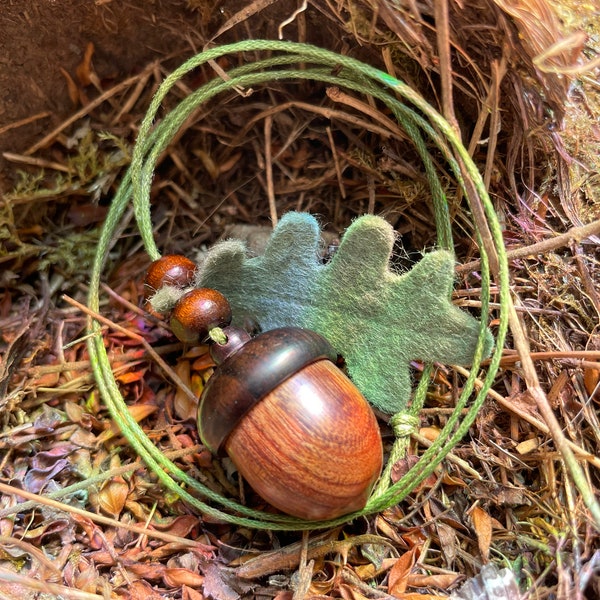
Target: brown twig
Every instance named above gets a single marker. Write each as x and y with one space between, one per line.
509 359
26 121
540 425
138 338
37 162
338 172
576 234
289 557
269 170
586 279
335 94
440 11
498 72
69 509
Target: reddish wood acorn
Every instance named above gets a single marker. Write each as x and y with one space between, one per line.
197 312
171 269
296 427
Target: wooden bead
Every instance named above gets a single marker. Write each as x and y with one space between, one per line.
171 269
197 312
295 426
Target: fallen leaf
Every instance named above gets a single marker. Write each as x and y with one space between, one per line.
49 527
591 379
94 533
447 541
86 578
112 497
430 433
131 376
197 384
85 71
222 583
370 571
499 495
140 590
402 467
190 594
48 420
48 380
527 446
138 411
184 406
525 402
414 537
446 514
399 573
37 479
441 581
178 526
48 458
102 557
203 362
71 87
152 571
177 577
349 592
482 524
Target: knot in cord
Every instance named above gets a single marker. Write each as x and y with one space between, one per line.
403 424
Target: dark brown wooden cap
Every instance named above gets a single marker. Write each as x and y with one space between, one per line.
250 374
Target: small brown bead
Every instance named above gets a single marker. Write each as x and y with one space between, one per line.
197 312
171 269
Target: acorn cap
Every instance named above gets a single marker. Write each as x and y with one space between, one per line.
248 375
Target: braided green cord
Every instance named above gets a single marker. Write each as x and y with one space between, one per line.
403 425
172 122
152 142
142 174
448 438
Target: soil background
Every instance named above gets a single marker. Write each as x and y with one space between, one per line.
39 39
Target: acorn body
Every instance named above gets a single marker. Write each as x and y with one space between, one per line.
296 427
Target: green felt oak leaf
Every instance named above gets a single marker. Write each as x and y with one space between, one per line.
376 319
276 288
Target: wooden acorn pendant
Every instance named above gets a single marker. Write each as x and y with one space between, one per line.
296 427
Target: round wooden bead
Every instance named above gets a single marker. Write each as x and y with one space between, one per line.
171 269
295 426
197 312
